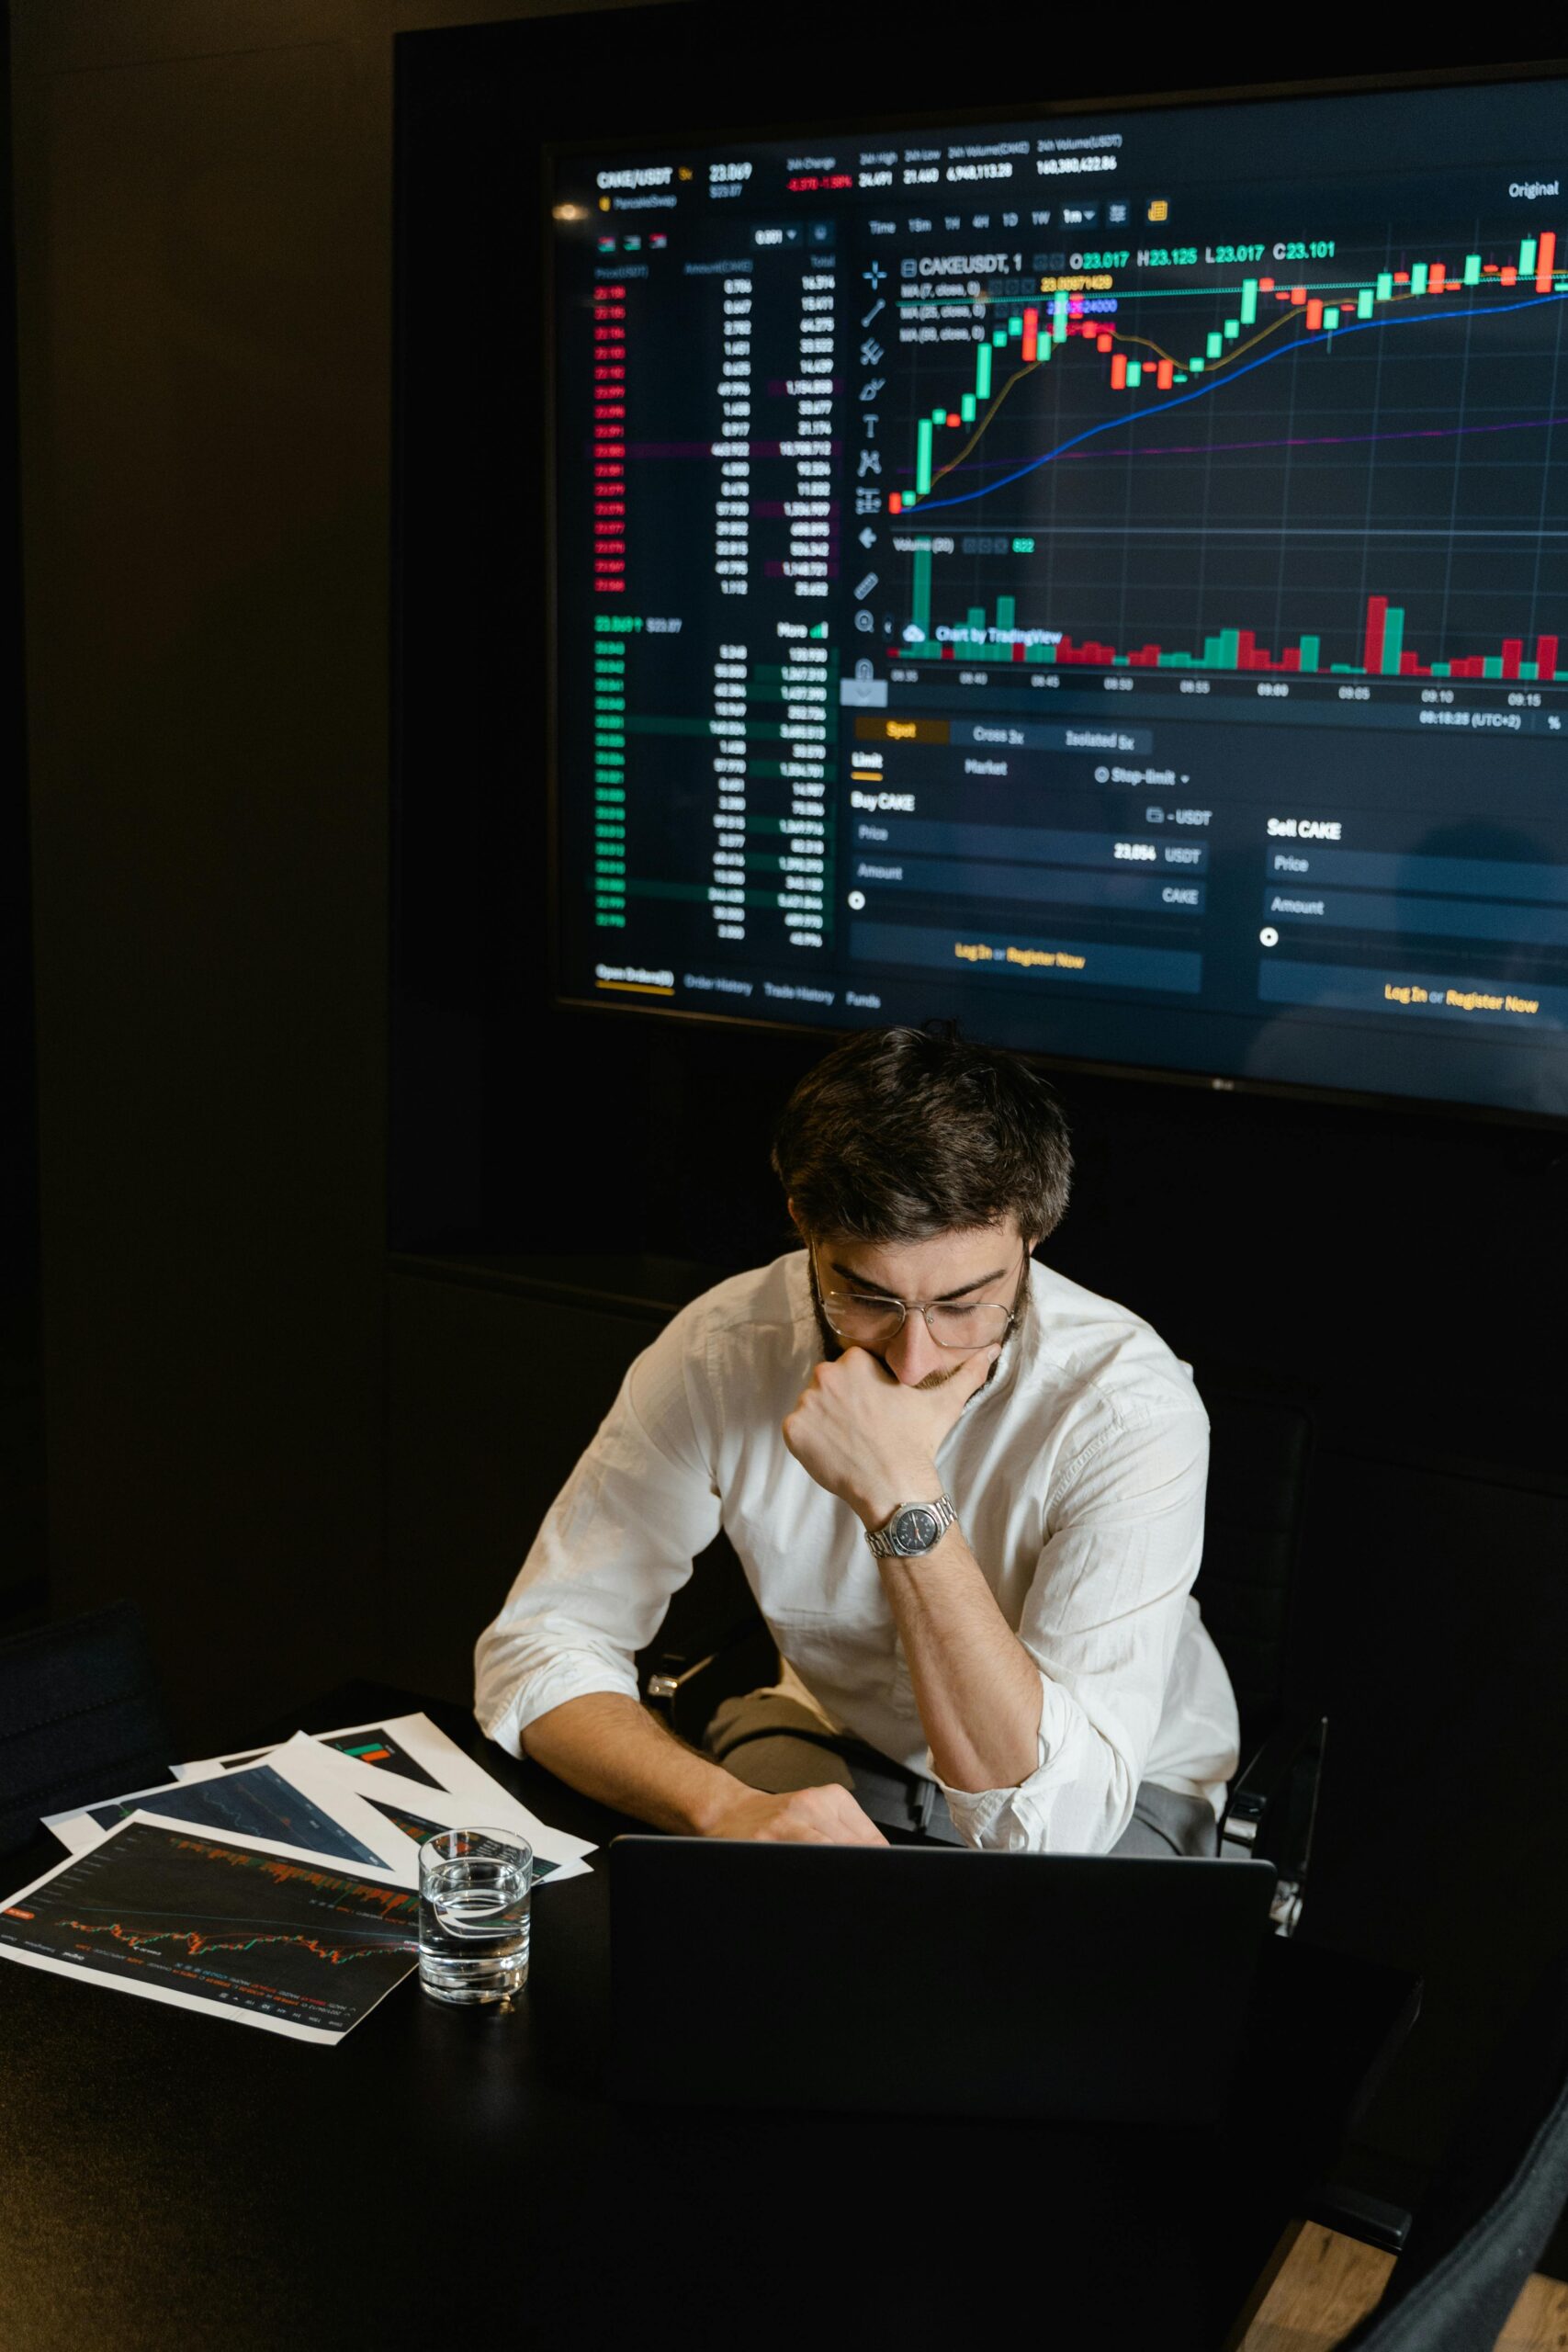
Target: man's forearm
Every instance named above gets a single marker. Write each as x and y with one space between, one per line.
613 1750
976 1685
871 1440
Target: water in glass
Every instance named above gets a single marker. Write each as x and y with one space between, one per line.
473 1915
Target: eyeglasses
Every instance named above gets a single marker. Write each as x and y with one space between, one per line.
962 1324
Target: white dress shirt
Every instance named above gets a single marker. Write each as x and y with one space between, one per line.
1077 1476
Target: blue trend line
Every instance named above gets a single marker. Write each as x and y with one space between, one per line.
1217 383
1305 440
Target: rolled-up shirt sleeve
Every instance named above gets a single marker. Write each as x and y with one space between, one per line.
1102 1621
618 1540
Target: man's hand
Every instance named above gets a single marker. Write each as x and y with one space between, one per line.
871 1440
609 1746
825 1816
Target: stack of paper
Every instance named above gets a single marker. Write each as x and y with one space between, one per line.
279 1887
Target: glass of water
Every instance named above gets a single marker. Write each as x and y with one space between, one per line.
473 1914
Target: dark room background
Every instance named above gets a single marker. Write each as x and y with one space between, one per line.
306 1396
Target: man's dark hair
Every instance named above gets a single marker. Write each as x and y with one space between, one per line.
904 1133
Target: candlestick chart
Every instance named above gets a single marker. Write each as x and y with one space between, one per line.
1185 465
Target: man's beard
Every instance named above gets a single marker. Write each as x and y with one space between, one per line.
832 1346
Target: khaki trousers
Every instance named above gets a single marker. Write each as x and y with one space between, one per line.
773 1743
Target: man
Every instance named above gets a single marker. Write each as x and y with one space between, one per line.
966 1493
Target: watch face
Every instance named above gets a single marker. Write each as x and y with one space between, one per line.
914 1530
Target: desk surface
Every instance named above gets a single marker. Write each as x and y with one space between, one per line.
168 2179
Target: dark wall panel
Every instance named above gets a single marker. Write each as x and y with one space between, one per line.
204 275
22 1538
492 1396
1433 1631
88 36
492 1399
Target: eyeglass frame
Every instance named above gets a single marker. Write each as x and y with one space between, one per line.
923 1307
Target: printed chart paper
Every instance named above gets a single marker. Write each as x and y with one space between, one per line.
384 1744
290 1802
388 1749
419 1811
229 1929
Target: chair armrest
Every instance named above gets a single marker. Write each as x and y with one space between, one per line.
1253 1816
1273 1809
1356 2215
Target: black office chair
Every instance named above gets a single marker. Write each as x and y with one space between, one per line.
1260 1452
81 1717
1260 1455
1495 2201
713 1645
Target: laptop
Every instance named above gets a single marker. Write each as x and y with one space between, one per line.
930 1979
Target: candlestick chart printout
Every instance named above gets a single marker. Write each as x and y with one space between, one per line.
208 1923
1102 577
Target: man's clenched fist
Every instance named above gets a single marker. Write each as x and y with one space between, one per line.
868 1439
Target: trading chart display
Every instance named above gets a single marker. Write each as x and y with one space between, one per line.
220 1927
1102 577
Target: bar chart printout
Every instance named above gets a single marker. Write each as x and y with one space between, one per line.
374 1744
216 1926
380 1747
1102 583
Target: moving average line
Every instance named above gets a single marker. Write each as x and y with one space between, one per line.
1303 441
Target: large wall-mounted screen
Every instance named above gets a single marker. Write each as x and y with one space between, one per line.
1101 576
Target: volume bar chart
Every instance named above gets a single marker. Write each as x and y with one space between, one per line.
981 641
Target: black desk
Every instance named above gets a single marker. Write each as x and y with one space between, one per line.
167 2181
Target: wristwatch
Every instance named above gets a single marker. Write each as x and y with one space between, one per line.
914 1530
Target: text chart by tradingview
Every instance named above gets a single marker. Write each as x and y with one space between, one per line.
1104 578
